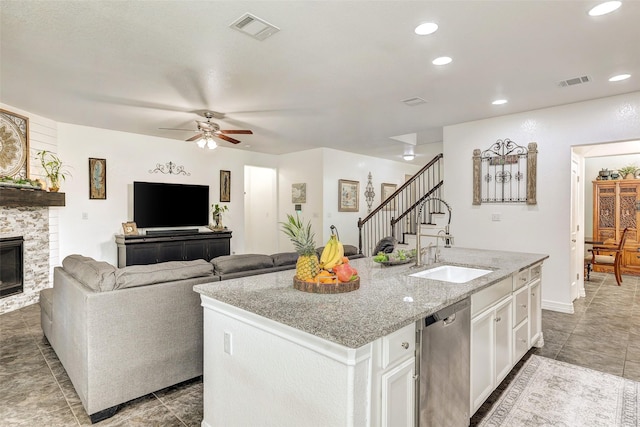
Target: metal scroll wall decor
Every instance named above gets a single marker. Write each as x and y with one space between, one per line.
505 173
369 193
169 168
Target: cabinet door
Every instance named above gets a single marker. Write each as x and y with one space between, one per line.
142 254
535 312
503 339
170 251
482 358
398 395
218 247
195 249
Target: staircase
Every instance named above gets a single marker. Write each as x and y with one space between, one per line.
397 215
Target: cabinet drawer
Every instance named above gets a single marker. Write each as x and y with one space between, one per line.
489 296
536 272
520 279
521 307
520 341
398 345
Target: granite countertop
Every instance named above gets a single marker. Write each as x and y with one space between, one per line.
387 300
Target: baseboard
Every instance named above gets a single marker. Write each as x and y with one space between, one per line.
558 306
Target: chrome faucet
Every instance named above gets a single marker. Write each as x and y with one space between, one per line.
442 234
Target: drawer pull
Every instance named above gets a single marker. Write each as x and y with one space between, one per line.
405 345
523 305
522 340
524 279
498 319
533 294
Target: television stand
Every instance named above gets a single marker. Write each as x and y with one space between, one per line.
150 249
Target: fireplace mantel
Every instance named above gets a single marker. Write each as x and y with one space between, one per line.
26 197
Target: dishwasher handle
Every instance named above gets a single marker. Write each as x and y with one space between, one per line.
448 314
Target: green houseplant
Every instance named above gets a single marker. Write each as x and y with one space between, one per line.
628 172
216 213
53 167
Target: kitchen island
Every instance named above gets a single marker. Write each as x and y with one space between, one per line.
276 356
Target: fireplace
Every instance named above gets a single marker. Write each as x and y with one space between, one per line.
11 266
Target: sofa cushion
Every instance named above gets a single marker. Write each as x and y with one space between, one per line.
170 271
97 275
234 263
350 250
284 258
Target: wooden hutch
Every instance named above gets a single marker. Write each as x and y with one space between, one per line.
616 206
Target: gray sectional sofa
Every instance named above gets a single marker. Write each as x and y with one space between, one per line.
122 333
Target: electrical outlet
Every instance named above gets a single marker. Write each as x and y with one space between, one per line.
85 215
496 217
228 344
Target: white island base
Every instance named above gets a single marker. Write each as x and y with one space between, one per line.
258 372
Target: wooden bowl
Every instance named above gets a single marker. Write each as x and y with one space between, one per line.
326 288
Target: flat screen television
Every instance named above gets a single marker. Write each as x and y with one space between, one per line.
157 204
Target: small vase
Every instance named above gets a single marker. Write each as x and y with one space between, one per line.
54 189
217 221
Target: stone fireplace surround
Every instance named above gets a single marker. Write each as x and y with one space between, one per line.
33 224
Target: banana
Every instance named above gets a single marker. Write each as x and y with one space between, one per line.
332 253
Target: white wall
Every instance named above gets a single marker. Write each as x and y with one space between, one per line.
543 228
130 157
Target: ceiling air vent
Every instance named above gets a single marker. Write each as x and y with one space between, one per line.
574 81
255 27
412 102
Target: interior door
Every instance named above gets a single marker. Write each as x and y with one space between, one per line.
260 210
573 244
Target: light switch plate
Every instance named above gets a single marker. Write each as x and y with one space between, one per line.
496 217
228 343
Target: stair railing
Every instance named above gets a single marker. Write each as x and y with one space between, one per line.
396 216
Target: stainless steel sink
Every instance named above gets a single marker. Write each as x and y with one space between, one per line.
452 273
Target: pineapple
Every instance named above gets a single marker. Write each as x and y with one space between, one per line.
307 267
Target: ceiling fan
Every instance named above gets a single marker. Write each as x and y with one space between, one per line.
208 130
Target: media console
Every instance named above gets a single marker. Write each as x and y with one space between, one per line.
152 249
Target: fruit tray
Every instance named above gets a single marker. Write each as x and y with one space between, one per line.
396 262
326 288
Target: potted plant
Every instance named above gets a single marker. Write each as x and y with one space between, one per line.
216 213
53 167
628 172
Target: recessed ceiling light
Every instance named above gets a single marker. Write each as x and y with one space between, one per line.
443 60
604 8
619 77
426 28
408 157
499 101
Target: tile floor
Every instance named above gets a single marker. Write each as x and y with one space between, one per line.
603 334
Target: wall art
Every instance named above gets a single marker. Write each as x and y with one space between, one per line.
130 228
299 193
386 191
225 186
348 192
14 145
97 179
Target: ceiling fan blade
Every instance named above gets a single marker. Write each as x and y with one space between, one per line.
195 137
227 138
231 131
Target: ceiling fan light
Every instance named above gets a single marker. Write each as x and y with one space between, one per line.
201 143
604 8
408 157
211 144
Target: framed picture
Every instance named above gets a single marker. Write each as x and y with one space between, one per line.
225 186
299 193
386 191
14 145
348 194
97 178
130 228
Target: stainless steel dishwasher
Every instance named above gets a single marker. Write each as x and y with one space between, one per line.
443 368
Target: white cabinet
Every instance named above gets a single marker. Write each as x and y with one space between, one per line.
535 312
506 322
491 355
398 395
394 382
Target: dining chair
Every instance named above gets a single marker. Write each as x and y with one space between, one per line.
610 255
